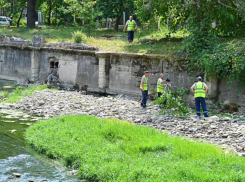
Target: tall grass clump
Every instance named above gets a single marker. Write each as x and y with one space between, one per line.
110 150
20 92
78 37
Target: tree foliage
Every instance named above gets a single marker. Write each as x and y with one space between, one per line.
205 20
115 9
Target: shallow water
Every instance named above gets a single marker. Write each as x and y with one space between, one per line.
17 157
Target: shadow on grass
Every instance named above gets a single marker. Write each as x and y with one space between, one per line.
165 46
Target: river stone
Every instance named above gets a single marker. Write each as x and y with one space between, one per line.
17 175
9 117
213 118
12 131
137 120
26 116
225 135
241 154
8 121
22 119
169 123
73 173
213 126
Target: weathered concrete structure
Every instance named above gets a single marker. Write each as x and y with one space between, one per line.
101 72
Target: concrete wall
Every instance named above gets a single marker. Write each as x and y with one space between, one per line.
74 68
15 64
230 93
101 71
126 70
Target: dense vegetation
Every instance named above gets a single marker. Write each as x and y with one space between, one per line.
110 150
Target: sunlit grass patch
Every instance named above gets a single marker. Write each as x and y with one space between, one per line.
103 39
110 150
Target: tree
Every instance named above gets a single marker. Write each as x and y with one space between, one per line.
49 7
31 13
240 4
88 14
73 7
19 8
115 9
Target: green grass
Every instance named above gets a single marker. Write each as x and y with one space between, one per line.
110 150
150 42
19 93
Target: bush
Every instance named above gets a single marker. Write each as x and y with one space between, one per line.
174 101
60 21
74 24
78 37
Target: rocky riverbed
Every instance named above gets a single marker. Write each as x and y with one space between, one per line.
224 131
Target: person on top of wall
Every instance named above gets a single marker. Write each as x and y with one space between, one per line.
200 90
131 27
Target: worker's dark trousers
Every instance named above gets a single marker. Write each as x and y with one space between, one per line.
144 97
201 101
130 36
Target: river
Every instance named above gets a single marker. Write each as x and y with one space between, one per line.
17 157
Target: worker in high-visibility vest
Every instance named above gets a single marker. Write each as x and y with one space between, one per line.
200 90
144 88
161 87
131 26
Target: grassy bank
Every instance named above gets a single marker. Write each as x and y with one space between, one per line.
19 93
146 41
110 150
151 42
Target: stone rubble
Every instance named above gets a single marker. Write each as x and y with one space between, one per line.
226 132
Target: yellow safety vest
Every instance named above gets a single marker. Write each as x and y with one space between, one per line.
131 25
160 86
144 84
200 90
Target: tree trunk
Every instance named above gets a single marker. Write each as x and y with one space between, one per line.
196 11
31 13
12 7
159 24
117 23
49 12
18 22
56 17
